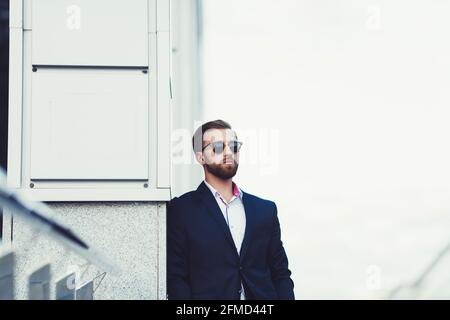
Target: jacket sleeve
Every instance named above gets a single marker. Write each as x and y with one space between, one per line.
281 275
177 255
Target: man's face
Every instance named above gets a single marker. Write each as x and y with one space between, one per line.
223 164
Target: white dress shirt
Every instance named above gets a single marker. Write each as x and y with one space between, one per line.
234 215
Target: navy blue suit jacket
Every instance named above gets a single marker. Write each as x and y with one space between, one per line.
202 259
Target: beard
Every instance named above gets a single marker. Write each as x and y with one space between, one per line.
223 171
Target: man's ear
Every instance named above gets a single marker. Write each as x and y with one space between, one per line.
200 158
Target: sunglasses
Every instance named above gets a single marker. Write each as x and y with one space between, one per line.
219 146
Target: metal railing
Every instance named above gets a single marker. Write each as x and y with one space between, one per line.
40 284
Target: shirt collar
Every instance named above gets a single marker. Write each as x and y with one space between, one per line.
237 192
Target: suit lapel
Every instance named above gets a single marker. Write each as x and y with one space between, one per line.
249 224
213 208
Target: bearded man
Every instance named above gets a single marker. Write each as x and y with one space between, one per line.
224 243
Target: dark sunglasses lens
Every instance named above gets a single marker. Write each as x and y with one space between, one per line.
218 147
235 146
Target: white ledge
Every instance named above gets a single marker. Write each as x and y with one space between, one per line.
97 194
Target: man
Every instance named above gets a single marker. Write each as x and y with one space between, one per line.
223 243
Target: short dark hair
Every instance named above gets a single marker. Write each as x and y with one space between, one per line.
197 138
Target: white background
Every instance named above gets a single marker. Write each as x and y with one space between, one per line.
359 94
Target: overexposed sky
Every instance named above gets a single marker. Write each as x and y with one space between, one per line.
343 107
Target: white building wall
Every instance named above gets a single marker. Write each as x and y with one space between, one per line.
122 218
187 104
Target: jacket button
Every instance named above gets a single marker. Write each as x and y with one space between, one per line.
240 268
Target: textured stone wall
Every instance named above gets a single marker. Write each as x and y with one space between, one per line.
131 234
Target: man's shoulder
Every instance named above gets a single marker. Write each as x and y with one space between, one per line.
259 200
182 200
179 206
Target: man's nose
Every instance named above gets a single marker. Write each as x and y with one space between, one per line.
227 151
